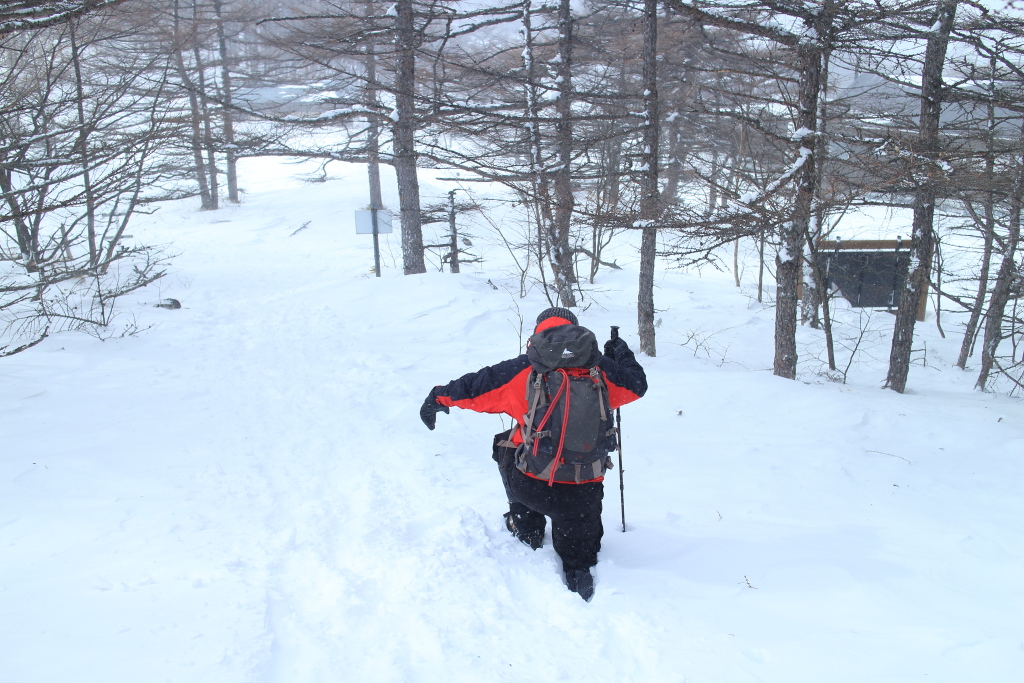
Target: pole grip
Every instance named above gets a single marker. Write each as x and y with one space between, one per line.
615 331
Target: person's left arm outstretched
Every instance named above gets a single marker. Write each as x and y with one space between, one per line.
493 389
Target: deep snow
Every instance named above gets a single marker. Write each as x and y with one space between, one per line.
245 492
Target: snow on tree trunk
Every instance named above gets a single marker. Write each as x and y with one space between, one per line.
794 232
813 295
924 200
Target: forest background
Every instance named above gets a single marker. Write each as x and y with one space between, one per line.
706 127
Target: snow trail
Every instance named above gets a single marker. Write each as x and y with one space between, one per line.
246 493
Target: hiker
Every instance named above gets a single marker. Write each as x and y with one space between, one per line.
562 393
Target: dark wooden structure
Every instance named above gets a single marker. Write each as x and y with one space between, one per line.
869 273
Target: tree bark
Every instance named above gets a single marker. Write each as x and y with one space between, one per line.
83 149
609 194
194 118
207 117
970 334
761 238
372 125
541 185
405 140
924 201
649 199
230 149
794 232
813 287
561 253
453 236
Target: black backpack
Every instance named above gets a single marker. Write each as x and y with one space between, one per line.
568 430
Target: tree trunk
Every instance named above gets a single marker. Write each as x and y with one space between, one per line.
1004 279
193 104
794 232
760 262
83 149
372 126
26 245
230 149
924 201
207 118
453 262
813 287
734 183
649 198
610 184
970 334
674 169
561 253
404 140
541 186
712 185
205 198
613 182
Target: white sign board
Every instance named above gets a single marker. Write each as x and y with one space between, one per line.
364 222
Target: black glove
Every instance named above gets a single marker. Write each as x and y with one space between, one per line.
430 409
613 348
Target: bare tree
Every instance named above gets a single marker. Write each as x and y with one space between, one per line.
377 61
81 126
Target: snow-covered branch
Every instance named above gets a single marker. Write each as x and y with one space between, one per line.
28 15
772 33
773 187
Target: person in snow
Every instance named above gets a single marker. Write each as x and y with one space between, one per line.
561 393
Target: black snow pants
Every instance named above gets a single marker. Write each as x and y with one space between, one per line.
574 509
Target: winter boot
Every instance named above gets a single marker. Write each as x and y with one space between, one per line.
534 539
580 581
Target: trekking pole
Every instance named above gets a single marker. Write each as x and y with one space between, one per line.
618 433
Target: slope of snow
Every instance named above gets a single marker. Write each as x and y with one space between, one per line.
245 492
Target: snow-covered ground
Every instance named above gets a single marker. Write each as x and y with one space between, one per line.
244 492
